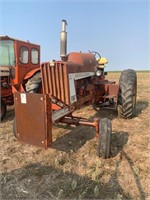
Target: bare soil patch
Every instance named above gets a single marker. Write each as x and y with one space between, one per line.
71 169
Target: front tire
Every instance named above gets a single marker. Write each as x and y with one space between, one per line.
127 94
104 140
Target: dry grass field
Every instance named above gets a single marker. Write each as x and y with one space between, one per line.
71 169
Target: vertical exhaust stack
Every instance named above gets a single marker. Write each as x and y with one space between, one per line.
63 41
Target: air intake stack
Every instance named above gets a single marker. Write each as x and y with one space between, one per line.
63 41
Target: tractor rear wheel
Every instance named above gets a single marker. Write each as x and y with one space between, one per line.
33 84
3 110
127 94
104 140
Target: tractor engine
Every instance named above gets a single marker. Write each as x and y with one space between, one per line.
70 79
77 79
83 73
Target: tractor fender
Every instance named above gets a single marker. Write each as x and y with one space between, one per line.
30 73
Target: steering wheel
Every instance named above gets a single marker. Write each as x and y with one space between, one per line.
96 54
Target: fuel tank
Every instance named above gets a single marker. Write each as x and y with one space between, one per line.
85 59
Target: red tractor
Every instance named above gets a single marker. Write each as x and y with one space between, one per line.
19 61
77 79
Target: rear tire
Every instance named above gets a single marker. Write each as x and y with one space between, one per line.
3 110
33 84
104 140
127 94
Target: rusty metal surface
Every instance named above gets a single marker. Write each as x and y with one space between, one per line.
105 88
82 101
86 60
33 118
80 121
113 90
55 81
59 114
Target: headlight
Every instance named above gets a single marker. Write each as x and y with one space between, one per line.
98 72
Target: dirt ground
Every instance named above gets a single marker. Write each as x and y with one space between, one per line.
71 169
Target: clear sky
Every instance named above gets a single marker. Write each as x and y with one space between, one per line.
117 29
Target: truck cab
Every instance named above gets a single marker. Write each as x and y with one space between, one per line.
19 60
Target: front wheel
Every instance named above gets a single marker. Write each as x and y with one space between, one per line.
104 140
3 110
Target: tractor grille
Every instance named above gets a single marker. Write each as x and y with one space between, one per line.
55 81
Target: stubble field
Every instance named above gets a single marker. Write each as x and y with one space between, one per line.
71 169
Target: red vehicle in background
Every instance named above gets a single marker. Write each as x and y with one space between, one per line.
19 64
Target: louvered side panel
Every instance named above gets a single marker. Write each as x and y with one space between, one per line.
57 75
49 74
55 81
44 78
66 85
61 73
54 91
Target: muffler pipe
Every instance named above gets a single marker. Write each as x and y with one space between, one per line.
63 41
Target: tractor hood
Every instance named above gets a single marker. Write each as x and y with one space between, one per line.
4 71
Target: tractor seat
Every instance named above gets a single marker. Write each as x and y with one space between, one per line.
102 61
